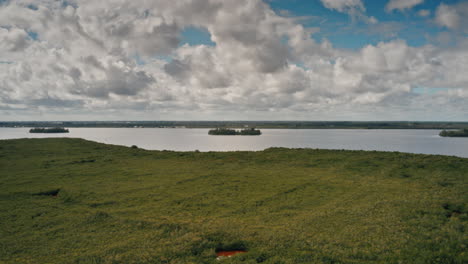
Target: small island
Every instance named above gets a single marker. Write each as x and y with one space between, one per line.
233 132
48 130
454 133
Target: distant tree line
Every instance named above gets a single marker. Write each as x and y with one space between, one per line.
237 124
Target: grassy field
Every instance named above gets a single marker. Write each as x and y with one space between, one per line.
76 201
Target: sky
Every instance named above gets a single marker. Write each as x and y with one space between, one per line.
234 60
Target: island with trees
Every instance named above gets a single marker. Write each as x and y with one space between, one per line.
233 132
48 130
454 133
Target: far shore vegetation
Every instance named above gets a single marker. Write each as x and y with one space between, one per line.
65 200
233 132
257 124
48 130
454 133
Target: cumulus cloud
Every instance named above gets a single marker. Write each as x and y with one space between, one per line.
454 17
402 5
13 40
424 13
344 5
354 8
124 59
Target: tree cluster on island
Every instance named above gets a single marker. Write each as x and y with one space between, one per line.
48 130
233 132
454 133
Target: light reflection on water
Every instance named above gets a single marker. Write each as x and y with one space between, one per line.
403 140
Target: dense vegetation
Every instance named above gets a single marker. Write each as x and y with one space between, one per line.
76 201
258 124
48 130
233 132
456 133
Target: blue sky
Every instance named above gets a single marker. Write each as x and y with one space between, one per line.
342 32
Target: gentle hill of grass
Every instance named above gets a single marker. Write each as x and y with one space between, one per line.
76 201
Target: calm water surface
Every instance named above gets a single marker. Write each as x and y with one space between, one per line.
413 141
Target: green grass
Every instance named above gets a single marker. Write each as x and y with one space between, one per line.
127 205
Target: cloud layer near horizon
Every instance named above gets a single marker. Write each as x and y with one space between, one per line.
123 60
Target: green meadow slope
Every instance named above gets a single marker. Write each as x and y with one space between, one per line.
76 201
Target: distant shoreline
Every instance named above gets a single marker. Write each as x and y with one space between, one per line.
242 124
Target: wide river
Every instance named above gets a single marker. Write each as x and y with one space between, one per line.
181 139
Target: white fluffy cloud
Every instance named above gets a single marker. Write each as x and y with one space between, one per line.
344 5
354 8
453 16
123 59
402 4
13 40
424 13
